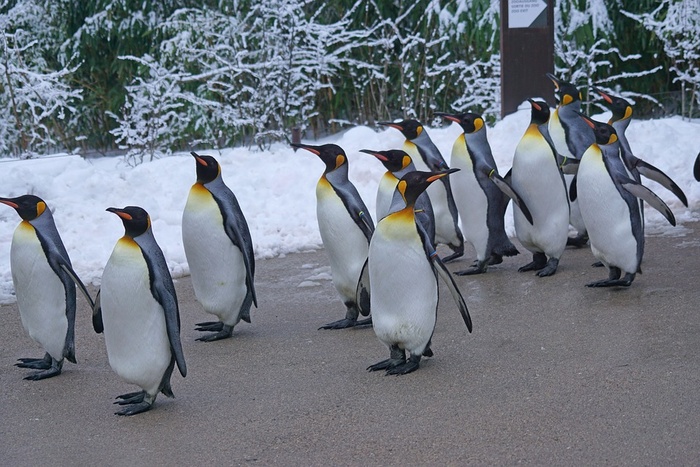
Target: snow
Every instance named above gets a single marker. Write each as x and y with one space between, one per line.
276 190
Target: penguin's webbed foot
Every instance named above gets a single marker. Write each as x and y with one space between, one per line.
209 326
539 261
624 282
224 333
457 252
578 241
347 323
35 363
495 259
44 374
135 409
408 366
598 264
130 398
479 268
550 268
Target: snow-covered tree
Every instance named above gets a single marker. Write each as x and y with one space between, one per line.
585 46
37 101
677 24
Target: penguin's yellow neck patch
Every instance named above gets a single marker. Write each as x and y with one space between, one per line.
127 242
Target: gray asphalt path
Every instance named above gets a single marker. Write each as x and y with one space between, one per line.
554 374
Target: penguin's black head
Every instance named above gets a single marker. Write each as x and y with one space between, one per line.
410 129
620 108
539 114
135 219
207 168
393 159
565 93
29 207
604 133
414 183
331 154
470 122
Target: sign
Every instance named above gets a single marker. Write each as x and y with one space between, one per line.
527 14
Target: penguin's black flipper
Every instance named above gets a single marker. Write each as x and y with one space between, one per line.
653 173
363 291
572 189
97 324
71 273
644 193
442 271
511 193
696 168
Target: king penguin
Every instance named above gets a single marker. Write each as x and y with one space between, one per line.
219 251
346 228
138 312
403 270
481 194
44 282
609 207
398 163
426 156
536 176
621 117
571 137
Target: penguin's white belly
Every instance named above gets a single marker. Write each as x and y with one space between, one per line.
343 240
385 193
404 290
472 204
41 298
216 264
606 215
137 342
538 181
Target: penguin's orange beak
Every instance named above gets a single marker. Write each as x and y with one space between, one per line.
311 149
120 213
392 125
376 154
198 159
9 203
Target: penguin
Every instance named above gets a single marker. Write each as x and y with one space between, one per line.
609 207
571 137
403 270
138 313
219 251
481 194
426 156
45 283
696 168
536 176
398 163
620 120
346 227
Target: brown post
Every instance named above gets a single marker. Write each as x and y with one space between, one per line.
527 52
296 136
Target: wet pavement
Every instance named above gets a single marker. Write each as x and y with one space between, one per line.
555 373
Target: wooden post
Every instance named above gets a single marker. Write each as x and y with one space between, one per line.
527 52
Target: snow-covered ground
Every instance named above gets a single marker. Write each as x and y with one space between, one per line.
276 189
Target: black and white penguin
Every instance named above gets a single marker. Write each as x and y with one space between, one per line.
219 251
571 137
608 200
481 194
621 117
346 227
44 282
138 311
398 163
426 156
403 270
536 176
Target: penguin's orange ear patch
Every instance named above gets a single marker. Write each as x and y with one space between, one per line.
339 160
419 130
567 99
478 124
612 139
40 208
628 111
